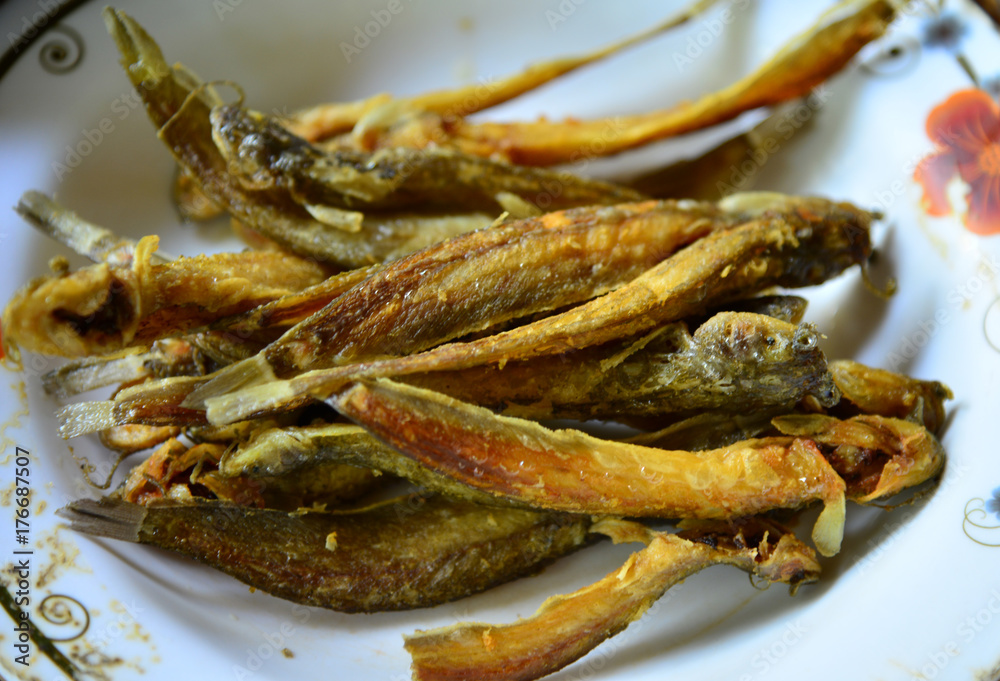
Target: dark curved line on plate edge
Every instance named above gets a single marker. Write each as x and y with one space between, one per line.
15 51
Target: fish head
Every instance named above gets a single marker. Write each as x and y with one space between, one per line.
258 152
764 346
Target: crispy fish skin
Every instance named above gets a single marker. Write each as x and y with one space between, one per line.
263 155
796 247
748 258
320 487
273 452
101 309
734 362
279 453
179 105
909 409
176 471
757 254
407 553
481 279
574 236
283 313
567 627
877 391
325 120
803 63
570 471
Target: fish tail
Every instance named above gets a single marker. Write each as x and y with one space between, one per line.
89 374
105 518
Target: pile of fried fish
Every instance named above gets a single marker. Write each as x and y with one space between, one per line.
421 296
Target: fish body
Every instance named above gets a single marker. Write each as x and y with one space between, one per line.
408 553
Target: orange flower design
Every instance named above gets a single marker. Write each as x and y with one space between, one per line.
965 128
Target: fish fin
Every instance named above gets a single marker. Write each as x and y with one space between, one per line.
105 518
243 374
347 220
89 374
85 417
517 207
244 403
828 532
622 531
140 55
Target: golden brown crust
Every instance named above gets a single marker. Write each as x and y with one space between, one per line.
877 456
805 62
567 470
887 393
566 627
795 247
325 120
484 278
101 309
131 438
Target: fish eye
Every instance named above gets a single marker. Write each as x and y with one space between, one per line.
805 340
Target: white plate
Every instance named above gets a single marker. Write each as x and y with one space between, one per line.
914 594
